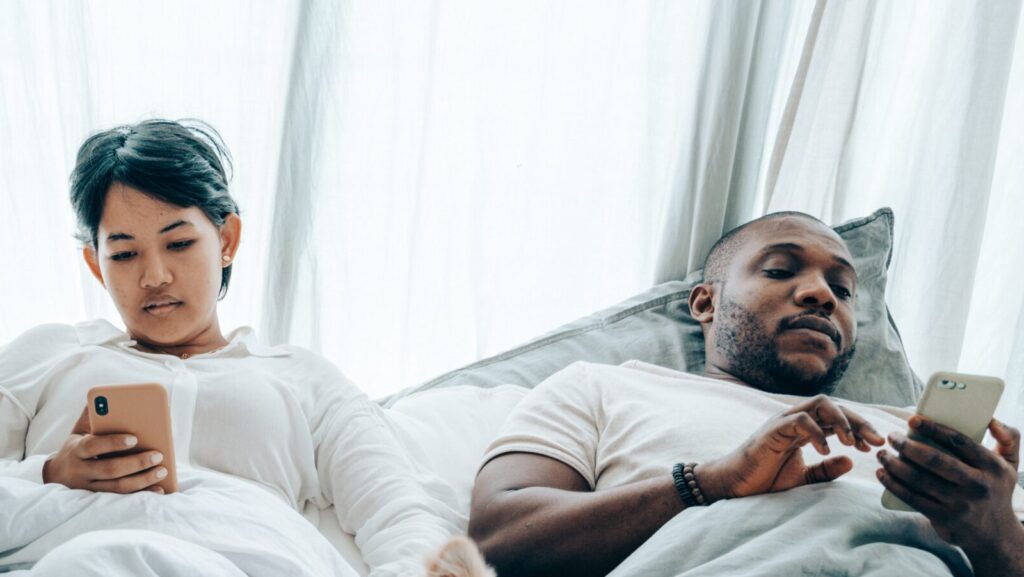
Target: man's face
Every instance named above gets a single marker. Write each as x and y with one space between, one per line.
784 316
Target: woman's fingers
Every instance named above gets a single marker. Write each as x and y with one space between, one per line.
118 467
131 483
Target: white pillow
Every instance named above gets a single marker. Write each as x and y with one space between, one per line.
447 430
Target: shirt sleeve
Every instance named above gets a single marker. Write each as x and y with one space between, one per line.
557 419
14 422
23 362
375 487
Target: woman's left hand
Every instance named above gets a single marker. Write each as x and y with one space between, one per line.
966 495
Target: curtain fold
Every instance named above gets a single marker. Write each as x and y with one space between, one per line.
427 183
725 136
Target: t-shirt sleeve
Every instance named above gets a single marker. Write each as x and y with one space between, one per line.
558 419
374 485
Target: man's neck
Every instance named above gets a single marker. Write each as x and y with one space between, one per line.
716 372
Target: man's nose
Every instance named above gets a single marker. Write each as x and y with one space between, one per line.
816 292
155 273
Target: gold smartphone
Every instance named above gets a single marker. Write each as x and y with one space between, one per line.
142 410
963 402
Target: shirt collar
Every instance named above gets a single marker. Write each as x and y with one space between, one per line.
101 332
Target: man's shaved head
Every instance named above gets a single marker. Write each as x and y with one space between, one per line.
720 256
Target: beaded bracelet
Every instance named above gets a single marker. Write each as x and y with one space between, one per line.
686 485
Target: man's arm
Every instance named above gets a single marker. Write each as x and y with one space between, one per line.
966 495
534 515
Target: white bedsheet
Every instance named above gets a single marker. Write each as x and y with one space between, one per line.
215 525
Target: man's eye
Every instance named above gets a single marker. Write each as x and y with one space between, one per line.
181 244
122 256
777 273
841 292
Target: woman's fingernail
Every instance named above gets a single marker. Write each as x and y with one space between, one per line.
161 473
156 458
131 441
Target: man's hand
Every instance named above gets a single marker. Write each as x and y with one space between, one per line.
771 460
965 495
76 465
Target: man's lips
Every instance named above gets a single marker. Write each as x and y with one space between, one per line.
816 323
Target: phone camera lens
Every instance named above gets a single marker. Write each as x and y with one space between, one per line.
101 406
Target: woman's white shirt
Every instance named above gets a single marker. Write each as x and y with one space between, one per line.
281 417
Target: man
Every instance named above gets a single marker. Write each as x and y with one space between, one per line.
583 472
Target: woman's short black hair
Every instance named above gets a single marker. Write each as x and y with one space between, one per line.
184 163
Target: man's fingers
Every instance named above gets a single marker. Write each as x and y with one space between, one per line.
1008 442
863 431
933 460
82 424
956 442
92 446
923 504
829 416
799 429
828 470
923 482
130 483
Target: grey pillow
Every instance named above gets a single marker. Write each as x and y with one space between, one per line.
656 327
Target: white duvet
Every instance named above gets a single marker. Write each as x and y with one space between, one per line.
215 525
834 529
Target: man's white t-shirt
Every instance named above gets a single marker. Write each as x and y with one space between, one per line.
616 425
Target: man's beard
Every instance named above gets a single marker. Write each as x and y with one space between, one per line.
753 355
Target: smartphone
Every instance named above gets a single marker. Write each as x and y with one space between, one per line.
141 410
963 402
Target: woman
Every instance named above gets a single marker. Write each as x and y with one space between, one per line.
160 232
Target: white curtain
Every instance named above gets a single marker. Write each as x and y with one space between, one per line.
427 183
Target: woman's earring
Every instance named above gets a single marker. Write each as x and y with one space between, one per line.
226 258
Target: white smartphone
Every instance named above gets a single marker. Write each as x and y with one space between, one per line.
963 402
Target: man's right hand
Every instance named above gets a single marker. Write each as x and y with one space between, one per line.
76 464
771 460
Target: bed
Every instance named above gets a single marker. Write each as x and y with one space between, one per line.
449 420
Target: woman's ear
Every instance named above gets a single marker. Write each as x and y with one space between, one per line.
702 304
230 235
91 259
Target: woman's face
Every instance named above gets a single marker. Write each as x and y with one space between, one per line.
162 266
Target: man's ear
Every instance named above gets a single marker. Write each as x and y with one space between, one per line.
92 260
702 306
230 236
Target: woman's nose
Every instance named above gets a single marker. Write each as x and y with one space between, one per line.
155 274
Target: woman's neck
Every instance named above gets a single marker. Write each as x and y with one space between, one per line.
207 341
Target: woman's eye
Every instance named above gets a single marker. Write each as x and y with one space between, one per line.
122 256
777 273
181 244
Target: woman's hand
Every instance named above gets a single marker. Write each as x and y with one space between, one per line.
771 460
965 494
77 465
